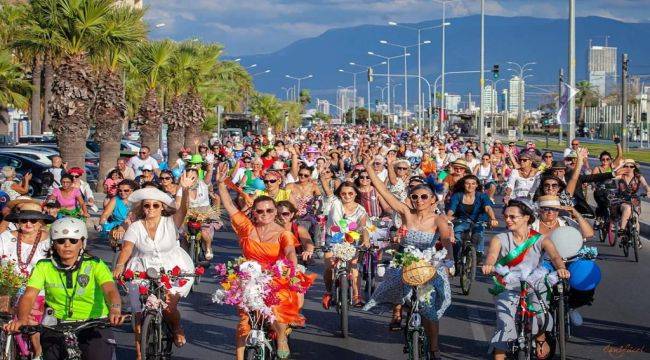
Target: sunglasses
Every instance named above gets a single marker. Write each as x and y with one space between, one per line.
416 197
552 186
548 156
152 206
512 217
263 211
76 176
402 168
143 152
303 175
146 170
270 181
548 209
575 144
31 221
124 190
364 177
165 178
629 166
62 241
524 160
285 213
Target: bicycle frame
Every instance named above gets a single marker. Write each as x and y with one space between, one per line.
524 319
414 328
257 337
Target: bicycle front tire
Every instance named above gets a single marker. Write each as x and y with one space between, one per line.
156 339
344 287
561 326
254 353
468 269
8 346
415 345
635 239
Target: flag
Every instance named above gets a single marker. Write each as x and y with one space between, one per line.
567 93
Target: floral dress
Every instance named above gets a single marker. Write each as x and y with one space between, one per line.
393 291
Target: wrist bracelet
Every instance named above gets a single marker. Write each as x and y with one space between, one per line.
120 265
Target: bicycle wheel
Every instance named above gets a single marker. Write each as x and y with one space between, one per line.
343 304
625 243
195 251
634 240
369 276
561 326
156 343
254 353
8 347
415 345
468 269
611 234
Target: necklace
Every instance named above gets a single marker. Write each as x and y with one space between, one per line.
549 226
23 265
146 228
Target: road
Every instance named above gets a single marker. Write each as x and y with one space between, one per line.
616 326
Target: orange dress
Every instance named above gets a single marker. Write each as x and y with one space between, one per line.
267 253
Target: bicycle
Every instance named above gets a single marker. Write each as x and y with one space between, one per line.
560 308
155 333
7 342
631 236
341 292
370 260
606 229
68 331
416 341
522 348
196 251
468 259
260 342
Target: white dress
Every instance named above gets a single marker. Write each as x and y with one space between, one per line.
9 250
162 252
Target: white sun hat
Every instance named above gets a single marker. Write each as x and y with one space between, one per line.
151 194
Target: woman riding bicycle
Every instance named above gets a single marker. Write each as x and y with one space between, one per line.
25 247
287 217
470 208
70 198
628 188
115 218
520 248
487 174
303 195
152 242
522 178
199 202
423 226
264 241
77 287
552 215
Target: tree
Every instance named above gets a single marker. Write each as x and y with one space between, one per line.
305 98
326 118
268 108
14 89
586 96
124 30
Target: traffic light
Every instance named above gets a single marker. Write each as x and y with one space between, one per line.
370 73
495 71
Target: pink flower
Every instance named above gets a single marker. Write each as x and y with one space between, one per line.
221 269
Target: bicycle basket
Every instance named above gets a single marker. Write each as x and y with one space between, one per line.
418 273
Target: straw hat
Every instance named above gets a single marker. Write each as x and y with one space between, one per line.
549 201
151 194
461 163
630 162
22 200
29 211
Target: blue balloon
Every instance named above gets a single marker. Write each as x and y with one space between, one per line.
257 184
337 238
177 172
548 265
585 275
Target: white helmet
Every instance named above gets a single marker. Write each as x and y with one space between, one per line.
68 228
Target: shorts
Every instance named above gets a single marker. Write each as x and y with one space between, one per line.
94 343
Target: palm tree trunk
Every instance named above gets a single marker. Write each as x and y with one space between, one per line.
108 154
4 120
174 143
150 119
35 110
192 135
48 79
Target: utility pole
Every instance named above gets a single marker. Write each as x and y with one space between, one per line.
624 116
558 102
481 122
572 70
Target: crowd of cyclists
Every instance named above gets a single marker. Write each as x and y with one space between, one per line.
285 196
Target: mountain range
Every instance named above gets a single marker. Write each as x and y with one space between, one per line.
516 39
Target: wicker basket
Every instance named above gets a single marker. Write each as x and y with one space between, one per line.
6 304
418 273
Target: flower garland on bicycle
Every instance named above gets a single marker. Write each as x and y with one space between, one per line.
264 242
78 287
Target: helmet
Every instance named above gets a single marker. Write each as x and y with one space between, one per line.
68 228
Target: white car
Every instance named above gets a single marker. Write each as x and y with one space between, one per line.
40 155
128 145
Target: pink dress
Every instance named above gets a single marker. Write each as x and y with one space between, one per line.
69 203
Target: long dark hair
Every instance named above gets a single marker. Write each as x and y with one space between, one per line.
460 184
350 184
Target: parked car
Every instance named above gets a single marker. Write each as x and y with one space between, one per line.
23 165
43 157
6 140
91 157
37 139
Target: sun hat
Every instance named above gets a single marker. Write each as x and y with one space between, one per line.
22 200
549 201
569 153
461 163
151 194
196 159
558 165
312 150
146 167
629 161
29 211
279 165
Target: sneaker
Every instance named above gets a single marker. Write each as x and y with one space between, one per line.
209 255
327 299
576 318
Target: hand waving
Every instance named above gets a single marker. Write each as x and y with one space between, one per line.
186 180
222 172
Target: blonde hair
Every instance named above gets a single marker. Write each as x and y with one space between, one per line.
401 161
8 171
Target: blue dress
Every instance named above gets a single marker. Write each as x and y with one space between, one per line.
119 215
393 291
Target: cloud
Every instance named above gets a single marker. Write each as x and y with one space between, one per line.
252 26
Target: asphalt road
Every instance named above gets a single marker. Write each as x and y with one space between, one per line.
616 326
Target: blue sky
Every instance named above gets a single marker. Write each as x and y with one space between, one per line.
263 26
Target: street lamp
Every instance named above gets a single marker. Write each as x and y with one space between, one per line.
262 72
520 114
250 67
368 67
354 93
388 59
286 91
160 25
405 47
299 79
442 71
419 30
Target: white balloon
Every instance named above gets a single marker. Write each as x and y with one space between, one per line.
567 241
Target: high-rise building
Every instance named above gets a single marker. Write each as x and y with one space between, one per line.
345 98
602 68
323 106
504 99
452 102
361 102
490 100
517 91
133 3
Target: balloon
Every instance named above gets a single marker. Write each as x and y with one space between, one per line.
352 226
548 265
177 172
337 238
343 223
567 241
258 184
585 275
354 235
335 229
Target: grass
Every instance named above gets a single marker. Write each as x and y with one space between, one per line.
642 155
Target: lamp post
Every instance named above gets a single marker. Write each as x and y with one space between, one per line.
419 30
354 93
261 72
520 110
368 67
481 120
388 59
286 91
405 47
299 79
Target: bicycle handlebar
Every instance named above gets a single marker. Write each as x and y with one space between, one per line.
75 326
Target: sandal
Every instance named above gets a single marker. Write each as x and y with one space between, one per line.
357 301
283 354
327 299
179 338
395 323
540 349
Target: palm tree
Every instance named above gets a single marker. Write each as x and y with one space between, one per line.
14 89
268 108
305 98
150 61
78 29
586 96
124 29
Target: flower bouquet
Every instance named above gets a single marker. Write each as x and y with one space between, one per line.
252 288
147 285
11 283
